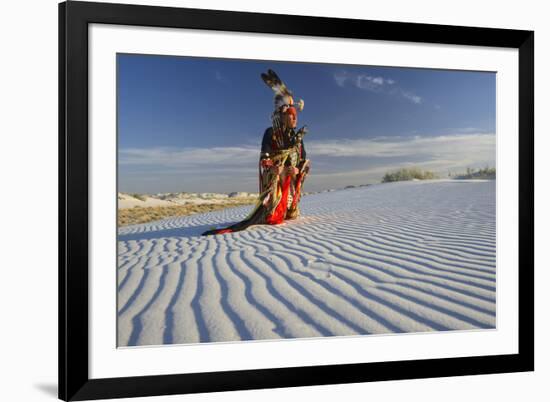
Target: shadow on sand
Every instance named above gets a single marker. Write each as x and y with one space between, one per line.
191 231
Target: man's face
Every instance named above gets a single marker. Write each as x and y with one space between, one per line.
291 119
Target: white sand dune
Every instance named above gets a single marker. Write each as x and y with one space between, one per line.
389 258
204 198
129 201
175 199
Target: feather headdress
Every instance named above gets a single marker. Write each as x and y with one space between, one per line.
283 96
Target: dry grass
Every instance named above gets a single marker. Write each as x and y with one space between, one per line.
136 215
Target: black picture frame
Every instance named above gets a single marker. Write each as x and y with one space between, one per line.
74 381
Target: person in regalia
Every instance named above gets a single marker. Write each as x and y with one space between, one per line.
283 166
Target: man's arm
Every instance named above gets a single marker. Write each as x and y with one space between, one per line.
266 151
266 144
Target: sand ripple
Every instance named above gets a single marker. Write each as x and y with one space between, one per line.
400 257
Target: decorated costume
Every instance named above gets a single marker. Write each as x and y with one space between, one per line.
282 166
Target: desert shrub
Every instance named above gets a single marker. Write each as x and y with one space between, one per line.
140 197
484 173
404 174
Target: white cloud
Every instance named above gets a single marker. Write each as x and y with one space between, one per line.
188 157
361 81
467 130
412 97
371 83
349 161
459 147
341 77
377 80
456 148
374 84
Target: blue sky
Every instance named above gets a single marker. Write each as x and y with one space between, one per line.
195 124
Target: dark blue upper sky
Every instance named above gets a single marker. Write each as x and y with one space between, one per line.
176 108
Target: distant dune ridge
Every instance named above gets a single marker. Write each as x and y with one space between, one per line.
143 208
126 200
389 258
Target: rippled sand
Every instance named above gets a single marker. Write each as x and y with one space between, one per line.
389 258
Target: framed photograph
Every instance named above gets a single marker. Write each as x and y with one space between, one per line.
258 200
